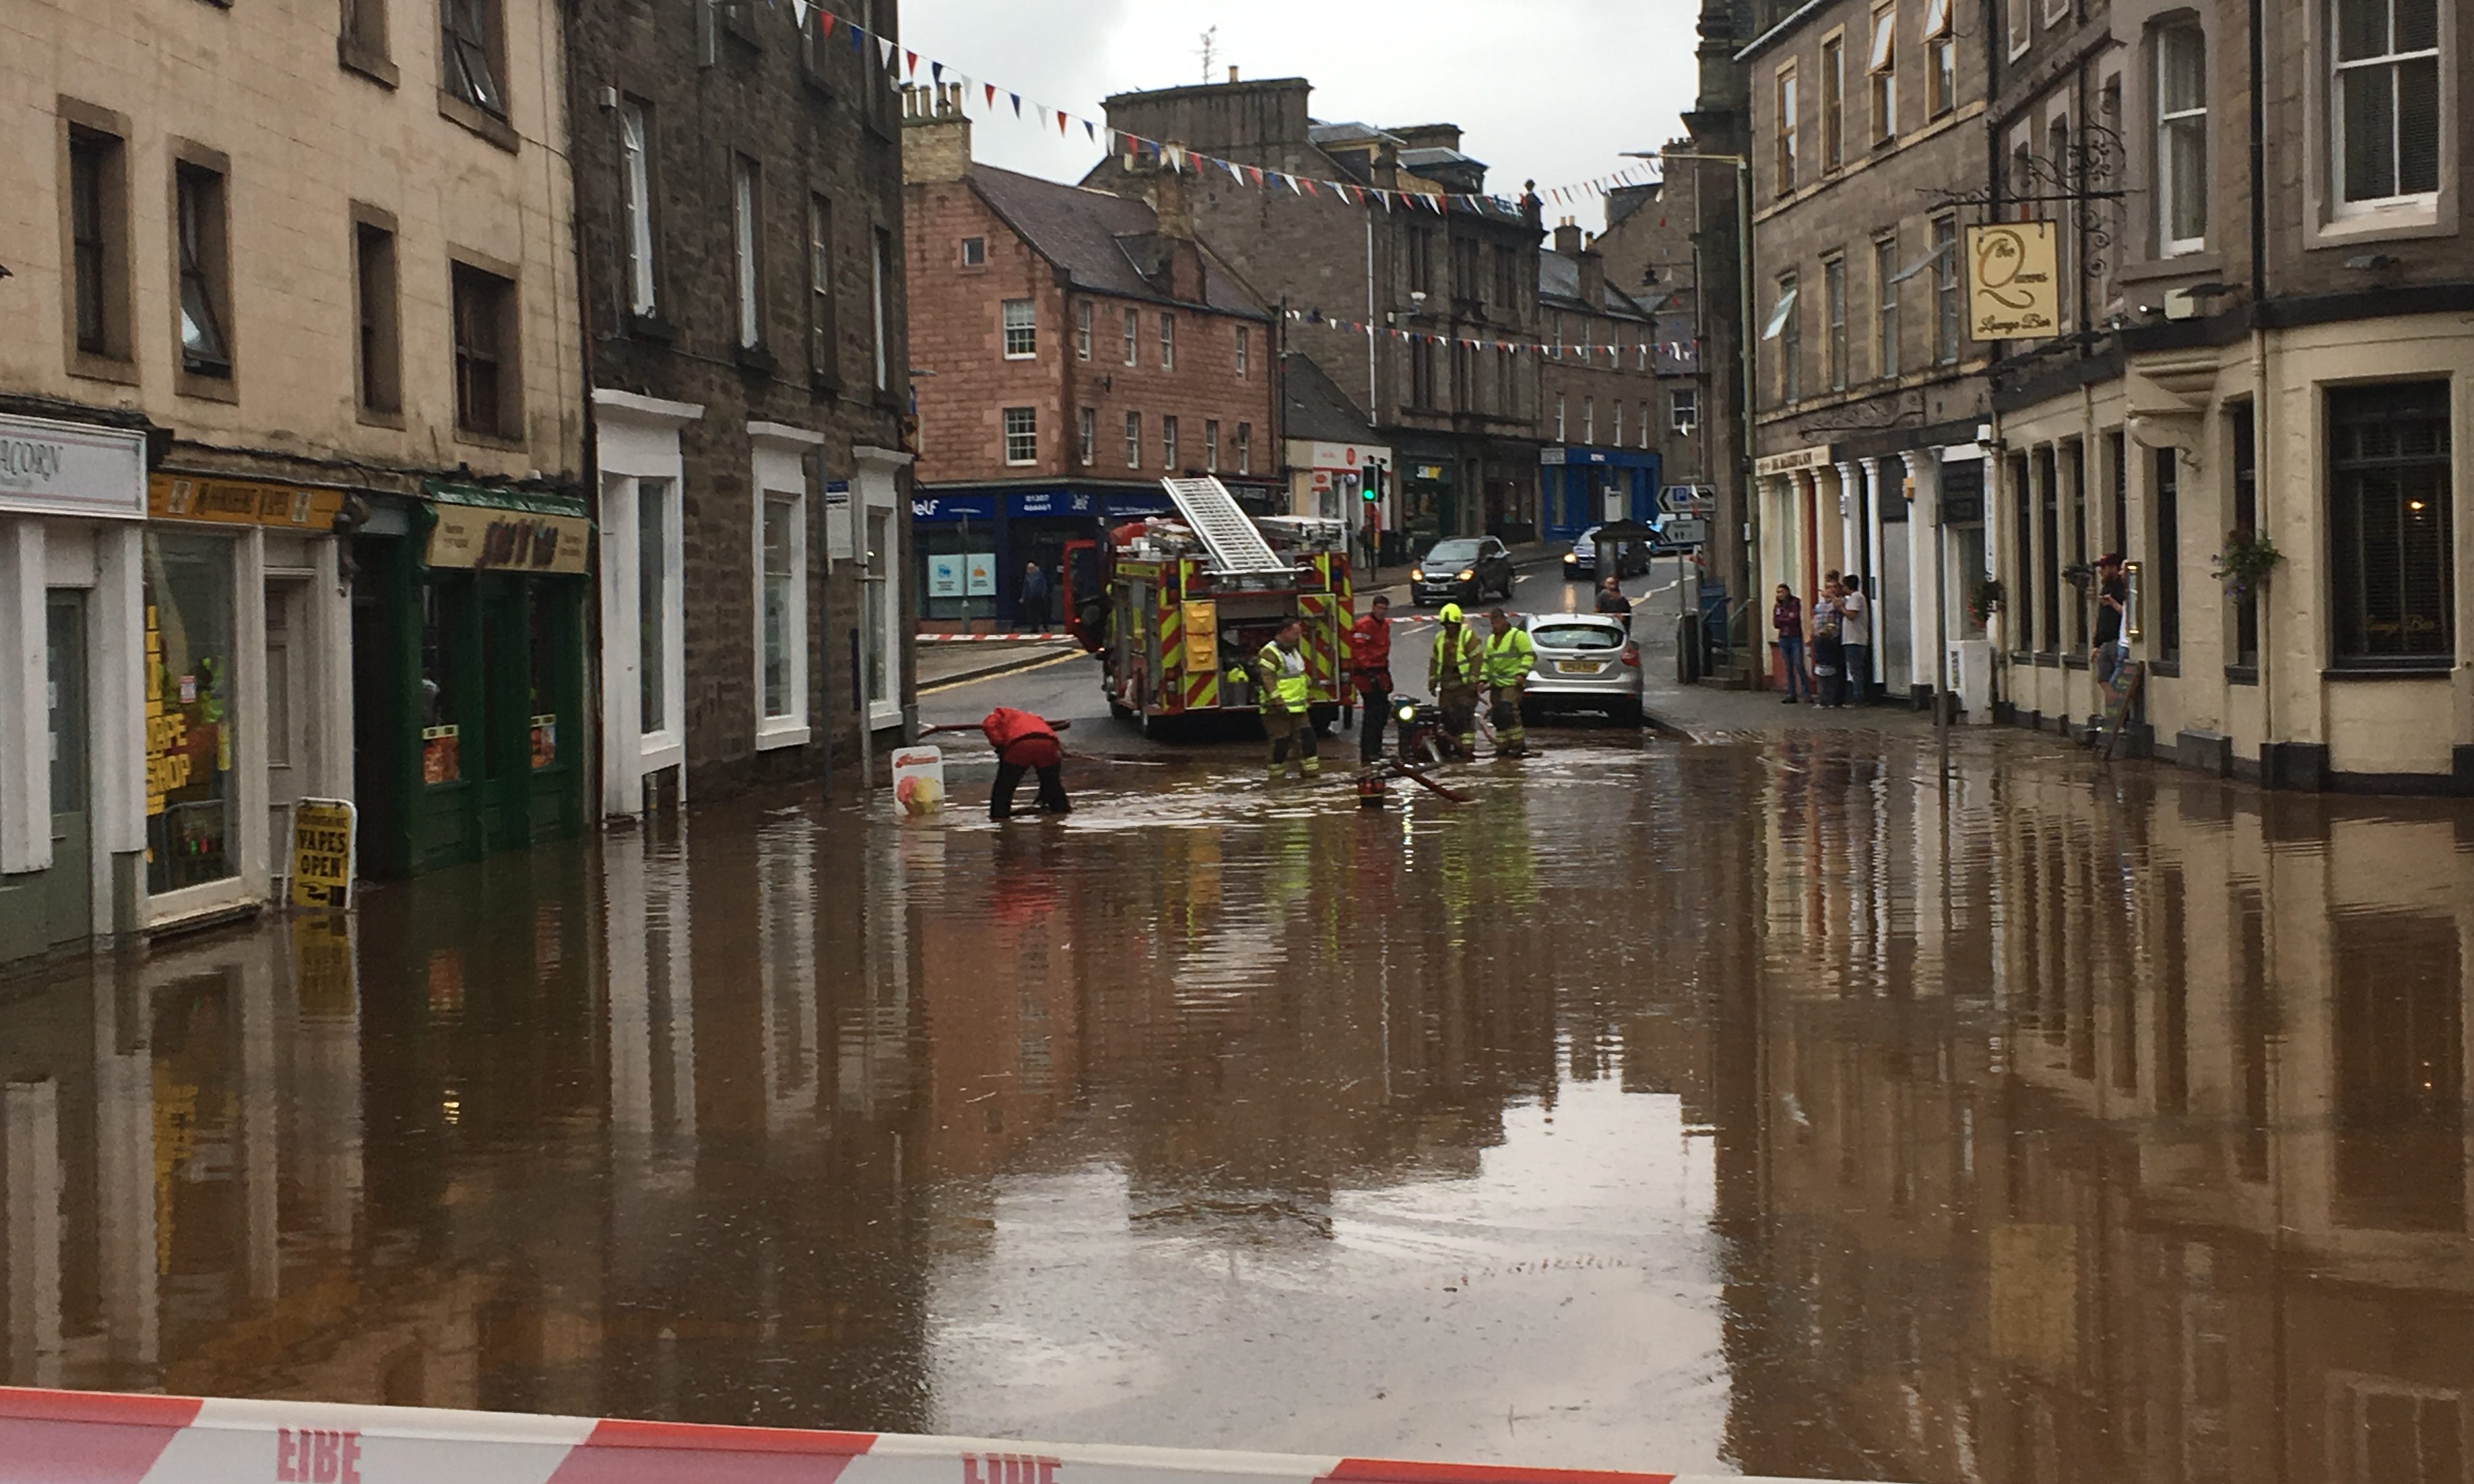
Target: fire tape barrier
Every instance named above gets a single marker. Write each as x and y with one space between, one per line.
56 1437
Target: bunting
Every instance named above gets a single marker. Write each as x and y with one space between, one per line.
1666 353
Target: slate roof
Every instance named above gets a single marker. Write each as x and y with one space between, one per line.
1100 238
1318 409
1558 280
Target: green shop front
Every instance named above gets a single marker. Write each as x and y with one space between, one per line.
469 676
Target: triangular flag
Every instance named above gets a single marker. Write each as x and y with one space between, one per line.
1017 104
1061 122
824 25
859 39
992 94
936 73
886 45
1091 129
1311 188
911 59
1256 171
799 13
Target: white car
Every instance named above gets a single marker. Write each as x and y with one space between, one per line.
1586 662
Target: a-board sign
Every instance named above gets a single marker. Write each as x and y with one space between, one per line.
918 782
323 842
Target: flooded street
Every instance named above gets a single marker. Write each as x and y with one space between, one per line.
1772 1105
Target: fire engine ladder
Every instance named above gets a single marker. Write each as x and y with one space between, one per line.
1237 548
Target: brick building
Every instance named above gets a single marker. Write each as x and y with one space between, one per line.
1076 346
1461 421
738 205
1600 389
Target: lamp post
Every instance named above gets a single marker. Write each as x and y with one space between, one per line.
1745 339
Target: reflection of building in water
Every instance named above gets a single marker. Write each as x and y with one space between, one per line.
2115 1136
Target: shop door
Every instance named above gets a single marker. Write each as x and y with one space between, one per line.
506 739
288 706
68 887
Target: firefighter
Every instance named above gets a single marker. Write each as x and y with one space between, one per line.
1510 657
1280 673
1370 669
1026 743
1453 674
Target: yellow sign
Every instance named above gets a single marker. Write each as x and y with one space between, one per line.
2013 283
1201 639
321 854
241 502
488 539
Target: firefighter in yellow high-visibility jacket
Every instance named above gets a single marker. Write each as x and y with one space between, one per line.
1510 657
1280 674
1453 672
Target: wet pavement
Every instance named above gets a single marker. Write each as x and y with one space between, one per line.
1785 1104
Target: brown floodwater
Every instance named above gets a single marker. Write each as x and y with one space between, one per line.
1785 1106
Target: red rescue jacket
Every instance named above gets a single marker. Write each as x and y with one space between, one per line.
1370 652
1004 726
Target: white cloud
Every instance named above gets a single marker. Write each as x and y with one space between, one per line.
1550 90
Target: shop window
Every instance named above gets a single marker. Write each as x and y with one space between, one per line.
98 201
1021 331
206 270
881 547
2385 104
2048 578
488 400
656 533
2165 616
2181 140
546 631
2391 531
474 47
1022 435
374 287
442 689
192 708
635 203
782 618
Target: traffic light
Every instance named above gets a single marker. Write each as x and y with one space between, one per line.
1371 488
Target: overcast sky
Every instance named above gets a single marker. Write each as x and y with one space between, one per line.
1550 90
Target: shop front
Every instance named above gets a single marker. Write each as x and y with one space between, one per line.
975 546
468 653
72 739
1583 487
1430 504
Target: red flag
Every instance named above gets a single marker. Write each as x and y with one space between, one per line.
1060 123
825 25
912 58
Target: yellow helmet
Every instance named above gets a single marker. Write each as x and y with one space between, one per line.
1451 613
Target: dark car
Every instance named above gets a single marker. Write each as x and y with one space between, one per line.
1464 570
1632 557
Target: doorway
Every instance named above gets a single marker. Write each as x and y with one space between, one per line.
68 887
288 709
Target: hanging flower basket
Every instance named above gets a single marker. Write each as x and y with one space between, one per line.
2244 564
1985 603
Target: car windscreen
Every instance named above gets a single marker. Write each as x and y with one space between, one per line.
1453 551
1586 538
1576 636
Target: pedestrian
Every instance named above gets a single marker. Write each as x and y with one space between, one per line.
2112 602
1825 658
1033 607
1510 657
1025 743
1786 617
1280 675
1611 600
1452 675
1855 640
1370 670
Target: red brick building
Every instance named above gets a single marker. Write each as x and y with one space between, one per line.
1074 346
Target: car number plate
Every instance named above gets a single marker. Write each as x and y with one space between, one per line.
1578 666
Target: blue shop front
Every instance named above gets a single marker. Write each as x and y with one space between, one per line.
1579 488
976 545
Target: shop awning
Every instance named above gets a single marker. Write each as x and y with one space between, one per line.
480 529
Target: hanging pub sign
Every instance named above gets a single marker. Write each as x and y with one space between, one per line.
493 530
2013 281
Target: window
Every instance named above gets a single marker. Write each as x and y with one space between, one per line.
1941 57
975 252
1133 440
487 399
2056 12
205 271
2049 576
1087 436
1788 123
472 46
373 292
823 351
1618 414
656 538
635 202
2057 150
1946 305
1168 342
2165 615
98 202
2243 433
1882 65
2020 181
2020 26
880 303
1134 338
1560 419
1021 435
1683 409
193 689
1211 446
364 33
1507 281
1833 311
1245 352
2392 532
1589 420
1834 104
1082 314
1886 307
2117 454
1021 331
1245 447
1421 260
1464 379
780 616
1168 443
1465 275
2181 140
2389 1432
1784 328
746 198
2385 106
1421 372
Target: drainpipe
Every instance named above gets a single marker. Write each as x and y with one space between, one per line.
2263 404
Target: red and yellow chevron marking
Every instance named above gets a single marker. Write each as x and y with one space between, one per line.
1315 610
1202 689
1172 649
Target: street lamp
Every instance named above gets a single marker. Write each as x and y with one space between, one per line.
1744 335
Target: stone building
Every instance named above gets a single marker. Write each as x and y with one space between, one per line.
1076 346
1870 117
1600 390
2270 340
1652 247
1461 418
291 424
738 178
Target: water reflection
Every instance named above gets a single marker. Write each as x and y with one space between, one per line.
1778 1107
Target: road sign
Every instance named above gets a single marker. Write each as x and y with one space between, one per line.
321 854
1686 530
1687 499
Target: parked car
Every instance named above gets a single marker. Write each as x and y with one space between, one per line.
1586 662
1632 557
1464 570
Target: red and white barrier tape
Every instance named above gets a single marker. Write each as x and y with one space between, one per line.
994 638
56 1437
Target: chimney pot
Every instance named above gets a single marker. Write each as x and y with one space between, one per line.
1232 73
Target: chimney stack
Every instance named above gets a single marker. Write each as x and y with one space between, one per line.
935 135
1567 237
1593 273
1182 256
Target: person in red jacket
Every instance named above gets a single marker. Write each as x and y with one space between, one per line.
1026 743
1370 669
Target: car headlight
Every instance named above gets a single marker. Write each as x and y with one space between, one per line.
1417 575
1570 557
1467 574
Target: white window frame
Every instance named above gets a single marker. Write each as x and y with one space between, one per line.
1168 443
879 473
1683 409
1561 424
1785 162
1211 446
1134 439
2169 245
1020 423
1167 341
1021 329
1082 319
1833 103
975 252
1245 447
2410 204
778 456
1833 320
2021 25
636 205
640 447
1133 338
1088 426
747 209
1882 72
1886 307
1619 428
1941 45
1589 420
880 273
1245 351
2056 12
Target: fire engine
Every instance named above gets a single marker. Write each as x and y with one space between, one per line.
1179 606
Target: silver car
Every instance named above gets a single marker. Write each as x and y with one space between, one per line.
1586 662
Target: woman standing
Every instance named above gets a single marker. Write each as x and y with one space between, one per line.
1787 617
1828 665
